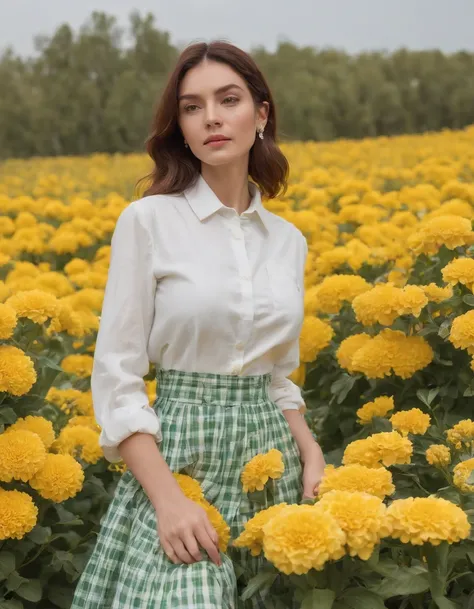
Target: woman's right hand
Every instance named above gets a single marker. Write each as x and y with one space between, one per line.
182 524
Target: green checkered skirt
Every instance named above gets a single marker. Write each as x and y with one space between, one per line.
212 425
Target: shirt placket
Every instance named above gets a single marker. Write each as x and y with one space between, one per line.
244 277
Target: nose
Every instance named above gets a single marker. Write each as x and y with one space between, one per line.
212 118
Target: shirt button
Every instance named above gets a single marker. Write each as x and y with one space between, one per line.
235 369
240 346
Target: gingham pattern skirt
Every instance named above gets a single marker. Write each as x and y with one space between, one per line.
212 425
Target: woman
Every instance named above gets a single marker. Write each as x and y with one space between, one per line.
207 284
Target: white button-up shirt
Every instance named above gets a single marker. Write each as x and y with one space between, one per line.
194 286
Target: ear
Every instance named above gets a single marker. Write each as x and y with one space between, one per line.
263 112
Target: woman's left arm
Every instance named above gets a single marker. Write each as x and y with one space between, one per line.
311 454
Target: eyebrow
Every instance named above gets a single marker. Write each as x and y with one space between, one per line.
216 92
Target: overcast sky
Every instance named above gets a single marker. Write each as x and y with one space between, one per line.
353 25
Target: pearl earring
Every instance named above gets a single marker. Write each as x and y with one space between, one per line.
186 144
260 132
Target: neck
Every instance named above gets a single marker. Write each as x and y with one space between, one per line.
229 183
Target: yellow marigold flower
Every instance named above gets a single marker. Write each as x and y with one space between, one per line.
462 472
380 407
190 487
298 376
301 538
461 435
412 300
219 524
252 535
438 455
413 421
87 421
36 305
78 436
357 478
59 479
38 425
348 347
8 321
67 320
260 468
80 365
392 350
388 448
334 290
419 520
460 270
451 231
315 336
437 294
18 514
360 516
17 371
380 305
22 454
462 331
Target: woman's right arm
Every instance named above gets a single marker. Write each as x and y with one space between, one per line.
182 524
130 427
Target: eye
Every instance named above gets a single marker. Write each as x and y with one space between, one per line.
231 99
190 107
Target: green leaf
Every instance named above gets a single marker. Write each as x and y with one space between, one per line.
60 596
360 598
470 479
261 581
469 299
445 329
411 584
7 415
427 395
319 599
7 564
40 535
11 604
31 590
14 581
443 603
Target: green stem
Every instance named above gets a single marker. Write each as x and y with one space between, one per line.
452 579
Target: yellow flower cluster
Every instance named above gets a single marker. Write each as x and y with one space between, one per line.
380 407
357 478
315 336
384 303
411 421
460 270
419 520
438 455
462 332
461 435
335 290
389 351
387 448
461 474
449 230
260 469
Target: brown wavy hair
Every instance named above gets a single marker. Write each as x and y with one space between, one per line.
175 166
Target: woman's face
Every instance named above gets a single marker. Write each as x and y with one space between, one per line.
213 100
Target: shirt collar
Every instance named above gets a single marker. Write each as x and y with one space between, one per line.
204 202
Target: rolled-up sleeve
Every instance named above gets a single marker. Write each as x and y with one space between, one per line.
119 395
282 391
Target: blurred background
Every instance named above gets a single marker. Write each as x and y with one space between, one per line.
82 77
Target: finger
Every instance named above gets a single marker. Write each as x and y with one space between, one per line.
208 544
211 531
170 553
191 546
181 552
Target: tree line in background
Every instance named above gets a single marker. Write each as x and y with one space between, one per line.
94 90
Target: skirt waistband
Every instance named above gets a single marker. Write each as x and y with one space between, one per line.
212 388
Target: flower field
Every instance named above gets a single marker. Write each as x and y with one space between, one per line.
387 366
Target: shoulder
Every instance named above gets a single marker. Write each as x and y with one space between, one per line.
146 209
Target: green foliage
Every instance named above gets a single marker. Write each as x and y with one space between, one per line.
88 92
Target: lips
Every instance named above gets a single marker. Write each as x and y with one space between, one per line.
217 138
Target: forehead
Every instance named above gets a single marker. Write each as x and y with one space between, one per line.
208 76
